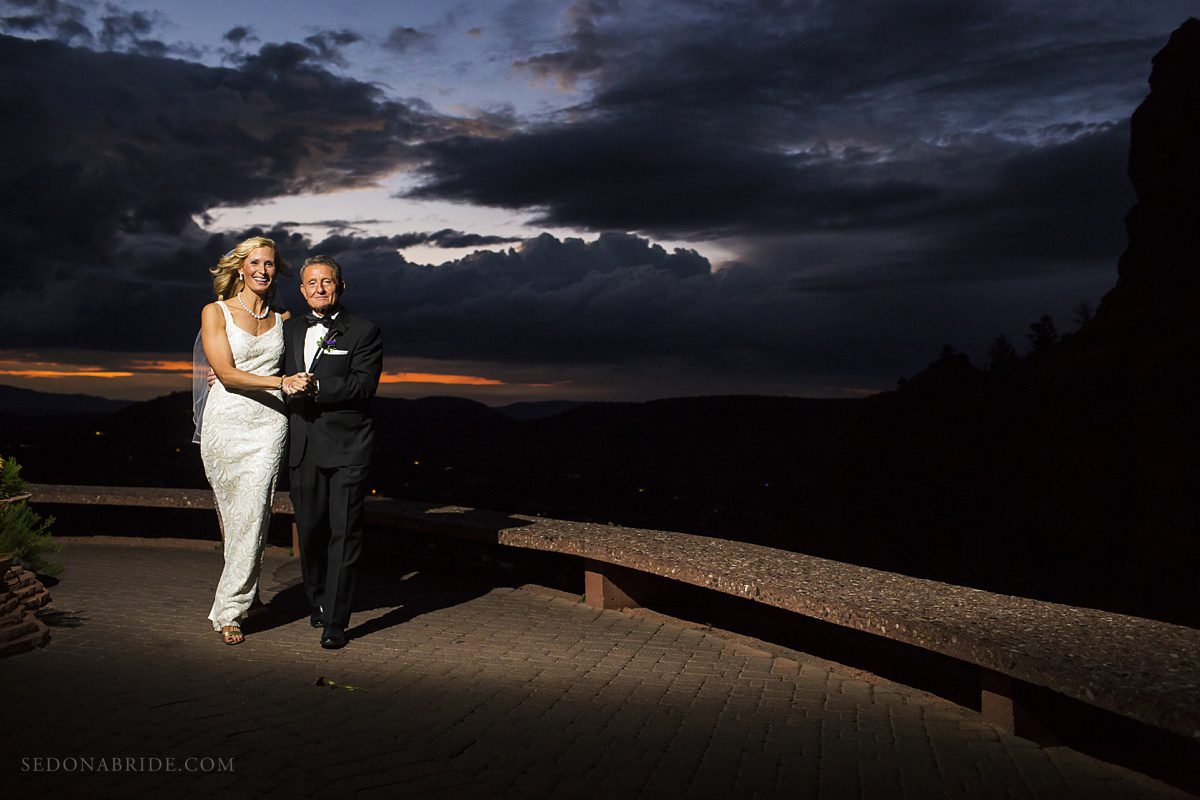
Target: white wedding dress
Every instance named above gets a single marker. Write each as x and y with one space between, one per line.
241 446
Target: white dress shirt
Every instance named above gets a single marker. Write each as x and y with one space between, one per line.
311 337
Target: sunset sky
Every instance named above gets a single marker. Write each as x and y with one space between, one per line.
569 200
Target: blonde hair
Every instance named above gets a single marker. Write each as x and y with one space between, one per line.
225 273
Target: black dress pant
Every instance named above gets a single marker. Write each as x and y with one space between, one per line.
328 502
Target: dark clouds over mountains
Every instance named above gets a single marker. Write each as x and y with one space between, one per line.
106 146
934 121
110 156
891 175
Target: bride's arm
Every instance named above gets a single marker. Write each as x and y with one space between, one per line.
220 356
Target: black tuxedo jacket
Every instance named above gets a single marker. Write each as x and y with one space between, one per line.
334 428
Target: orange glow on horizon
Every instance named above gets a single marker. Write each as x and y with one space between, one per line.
52 373
142 375
42 369
161 366
117 367
433 377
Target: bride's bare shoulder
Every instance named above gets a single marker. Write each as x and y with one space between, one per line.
212 312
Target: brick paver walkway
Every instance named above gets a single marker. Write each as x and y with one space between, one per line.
465 689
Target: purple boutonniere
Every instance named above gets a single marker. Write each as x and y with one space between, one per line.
327 343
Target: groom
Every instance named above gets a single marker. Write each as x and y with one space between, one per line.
330 435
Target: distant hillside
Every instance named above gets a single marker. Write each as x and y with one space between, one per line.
433 413
30 403
537 410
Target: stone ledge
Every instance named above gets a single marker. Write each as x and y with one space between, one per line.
1139 668
139 497
1142 669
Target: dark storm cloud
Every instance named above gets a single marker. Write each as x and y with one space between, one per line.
401 39
1020 213
550 300
348 240
1056 205
797 119
339 225
129 31
57 19
238 38
865 63
623 304
635 174
239 34
585 45
109 157
328 45
109 142
87 23
450 238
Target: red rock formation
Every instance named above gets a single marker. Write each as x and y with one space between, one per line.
21 594
1159 281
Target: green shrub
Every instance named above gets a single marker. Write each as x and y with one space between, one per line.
26 533
11 483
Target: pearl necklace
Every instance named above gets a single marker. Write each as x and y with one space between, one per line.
263 315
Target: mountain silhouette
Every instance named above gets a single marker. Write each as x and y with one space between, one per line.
27 402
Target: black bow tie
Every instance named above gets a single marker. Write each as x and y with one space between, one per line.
312 319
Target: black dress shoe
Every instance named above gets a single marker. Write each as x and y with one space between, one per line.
315 619
333 638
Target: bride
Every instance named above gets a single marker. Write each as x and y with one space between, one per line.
243 425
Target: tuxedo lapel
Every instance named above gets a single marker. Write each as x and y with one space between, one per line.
341 324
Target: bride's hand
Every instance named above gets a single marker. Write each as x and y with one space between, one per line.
295 384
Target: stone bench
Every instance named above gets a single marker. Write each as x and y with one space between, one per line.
1141 669
139 497
149 497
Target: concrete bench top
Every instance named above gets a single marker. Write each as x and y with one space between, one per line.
1143 669
139 497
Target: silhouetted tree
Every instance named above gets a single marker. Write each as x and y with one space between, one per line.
1042 333
948 351
1083 314
1001 355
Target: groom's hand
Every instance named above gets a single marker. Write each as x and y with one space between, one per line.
300 383
211 377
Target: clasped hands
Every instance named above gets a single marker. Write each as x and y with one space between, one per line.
299 384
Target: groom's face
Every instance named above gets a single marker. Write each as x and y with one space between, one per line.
319 285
